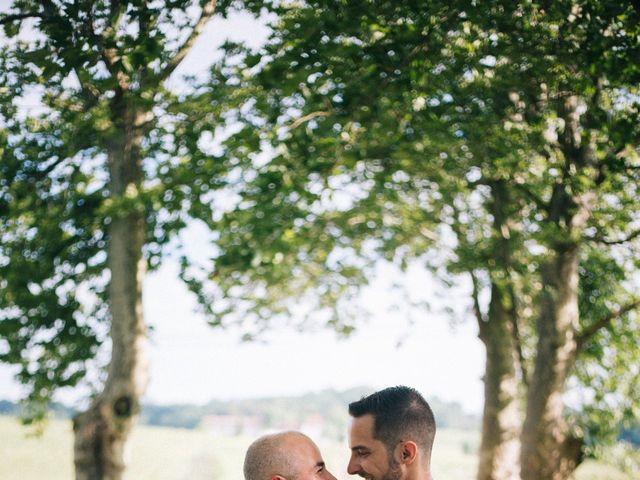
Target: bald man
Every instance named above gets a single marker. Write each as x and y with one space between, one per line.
285 456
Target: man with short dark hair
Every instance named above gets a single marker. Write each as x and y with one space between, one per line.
391 435
285 456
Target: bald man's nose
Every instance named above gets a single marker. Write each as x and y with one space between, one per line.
329 475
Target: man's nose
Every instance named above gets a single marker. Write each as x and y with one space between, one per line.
353 467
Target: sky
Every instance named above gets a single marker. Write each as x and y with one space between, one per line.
192 362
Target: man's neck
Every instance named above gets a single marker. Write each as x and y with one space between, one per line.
419 474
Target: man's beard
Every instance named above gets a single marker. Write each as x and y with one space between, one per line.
394 472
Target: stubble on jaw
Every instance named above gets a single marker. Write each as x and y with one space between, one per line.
394 472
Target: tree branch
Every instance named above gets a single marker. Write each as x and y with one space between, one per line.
475 295
589 332
630 237
516 335
8 18
299 121
207 12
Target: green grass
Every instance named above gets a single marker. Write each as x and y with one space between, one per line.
175 454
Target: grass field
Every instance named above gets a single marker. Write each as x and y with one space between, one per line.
176 454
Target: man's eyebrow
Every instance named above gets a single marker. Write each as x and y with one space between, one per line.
320 464
358 447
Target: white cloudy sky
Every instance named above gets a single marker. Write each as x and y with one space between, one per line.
192 362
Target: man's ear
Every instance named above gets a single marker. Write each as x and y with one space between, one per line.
407 451
277 477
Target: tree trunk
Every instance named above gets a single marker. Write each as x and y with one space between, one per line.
549 452
500 444
501 420
101 432
545 439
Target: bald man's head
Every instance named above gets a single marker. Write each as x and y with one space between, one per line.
288 455
269 456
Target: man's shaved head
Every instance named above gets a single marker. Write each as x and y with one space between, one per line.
272 455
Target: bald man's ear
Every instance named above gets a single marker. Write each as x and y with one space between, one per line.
407 451
277 477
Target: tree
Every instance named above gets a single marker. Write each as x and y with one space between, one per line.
504 137
101 167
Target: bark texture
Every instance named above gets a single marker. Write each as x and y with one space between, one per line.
102 431
500 444
545 432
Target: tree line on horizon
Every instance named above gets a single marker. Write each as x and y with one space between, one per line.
330 404
276 411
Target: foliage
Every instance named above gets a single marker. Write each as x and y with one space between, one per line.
82 82
463 135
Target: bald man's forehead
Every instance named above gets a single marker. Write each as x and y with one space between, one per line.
302 443
305 452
